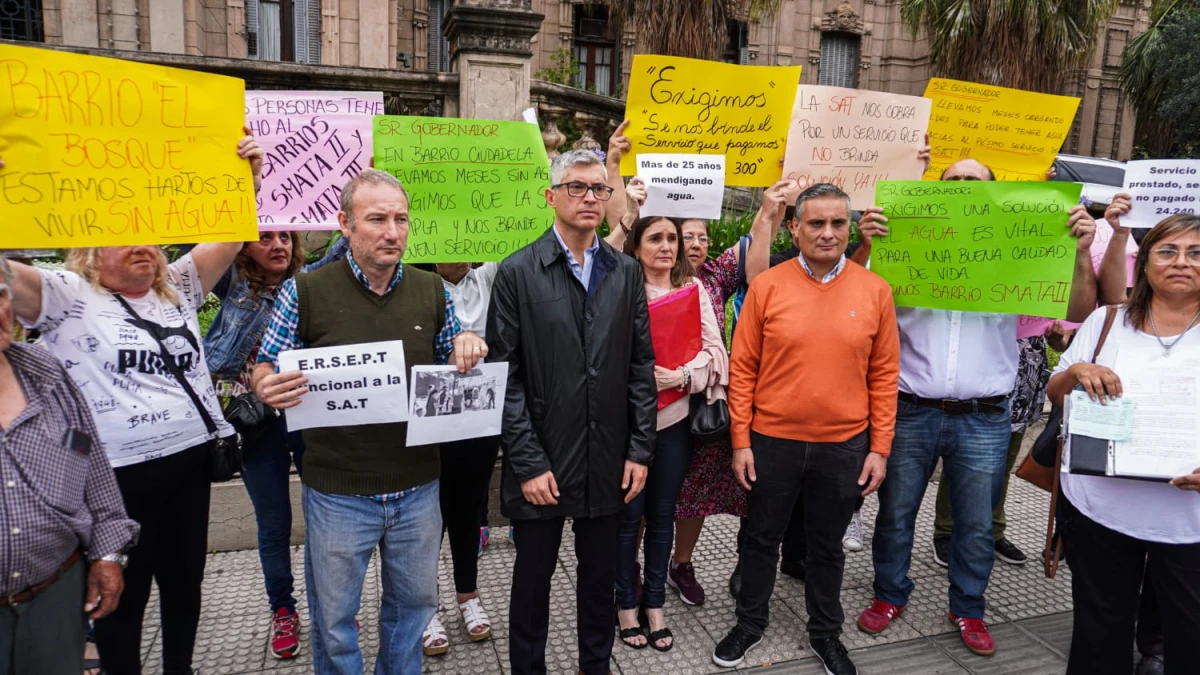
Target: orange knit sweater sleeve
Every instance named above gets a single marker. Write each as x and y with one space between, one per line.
883 376
744 361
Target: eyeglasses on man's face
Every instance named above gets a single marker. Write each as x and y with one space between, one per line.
578 189
1169 254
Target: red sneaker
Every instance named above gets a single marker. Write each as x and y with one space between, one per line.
878 616
285 634
975 634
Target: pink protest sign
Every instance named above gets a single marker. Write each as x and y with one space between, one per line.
1028 326
314 142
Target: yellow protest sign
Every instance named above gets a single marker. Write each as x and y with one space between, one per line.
695 107
105 152
1016 133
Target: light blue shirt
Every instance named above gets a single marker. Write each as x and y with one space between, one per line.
963 355
582 272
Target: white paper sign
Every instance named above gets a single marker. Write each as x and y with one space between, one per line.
450 406
1161 188
349 385
683 186
529 115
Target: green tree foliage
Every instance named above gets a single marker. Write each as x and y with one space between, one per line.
697 29
1024 44
1179 74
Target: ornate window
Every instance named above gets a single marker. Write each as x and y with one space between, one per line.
839 59
283 30
595 48
21 20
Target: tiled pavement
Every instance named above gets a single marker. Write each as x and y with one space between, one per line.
1029 615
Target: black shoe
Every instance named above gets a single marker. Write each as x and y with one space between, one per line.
833 656
735 581
941 551
1009 553
1150 664
794 569
731 651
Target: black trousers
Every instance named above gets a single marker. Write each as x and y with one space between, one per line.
795 545
466 474
1107 569
529 608
824 476
169 498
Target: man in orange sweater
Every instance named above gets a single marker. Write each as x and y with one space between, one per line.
812 397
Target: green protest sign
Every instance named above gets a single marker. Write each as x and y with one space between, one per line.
977 246
476 188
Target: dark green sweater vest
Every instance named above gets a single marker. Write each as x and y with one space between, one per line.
337 309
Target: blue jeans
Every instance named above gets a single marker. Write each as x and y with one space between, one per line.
972 447
672 457
343 531
265 469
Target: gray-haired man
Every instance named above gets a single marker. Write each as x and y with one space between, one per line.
568 314
362 488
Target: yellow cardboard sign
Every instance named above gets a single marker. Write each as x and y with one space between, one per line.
695 107
105 152
1015 133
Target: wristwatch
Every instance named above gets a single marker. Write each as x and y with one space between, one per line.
119 558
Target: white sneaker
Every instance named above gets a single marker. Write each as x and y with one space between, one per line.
853 540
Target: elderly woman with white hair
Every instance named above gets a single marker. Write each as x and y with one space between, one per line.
124 323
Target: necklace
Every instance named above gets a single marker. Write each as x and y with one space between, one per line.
1167 347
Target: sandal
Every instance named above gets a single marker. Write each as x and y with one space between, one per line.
663 634
434 640
475 618
627 634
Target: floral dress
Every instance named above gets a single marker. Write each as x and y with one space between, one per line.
1033 374
710 488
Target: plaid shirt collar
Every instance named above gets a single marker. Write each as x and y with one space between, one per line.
34 371
362 278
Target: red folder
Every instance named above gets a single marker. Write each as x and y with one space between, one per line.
675 332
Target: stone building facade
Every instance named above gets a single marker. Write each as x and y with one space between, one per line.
859 43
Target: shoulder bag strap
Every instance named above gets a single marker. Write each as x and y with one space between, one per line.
173 367
1054 546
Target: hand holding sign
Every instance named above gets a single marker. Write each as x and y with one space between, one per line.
1121 204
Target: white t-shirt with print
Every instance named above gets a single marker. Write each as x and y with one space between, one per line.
141 410
1145 510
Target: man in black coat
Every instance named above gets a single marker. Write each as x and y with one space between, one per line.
568 314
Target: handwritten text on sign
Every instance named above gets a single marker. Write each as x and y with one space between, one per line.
854 139
977 246
104 152
683 186
1161 188
689 106
476 188
1015 133
314 142
349 385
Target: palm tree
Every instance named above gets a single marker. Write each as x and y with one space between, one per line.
1142 74
1025 44
694 28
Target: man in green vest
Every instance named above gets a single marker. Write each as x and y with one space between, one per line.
362 487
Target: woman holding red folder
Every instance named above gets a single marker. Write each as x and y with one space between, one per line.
690 359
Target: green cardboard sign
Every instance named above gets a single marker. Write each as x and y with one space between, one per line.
978 246
476 188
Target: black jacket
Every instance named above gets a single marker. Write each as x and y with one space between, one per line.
581 394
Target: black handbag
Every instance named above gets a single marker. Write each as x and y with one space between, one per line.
250 416
709 421
225 453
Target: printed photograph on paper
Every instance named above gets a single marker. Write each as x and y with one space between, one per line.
447 405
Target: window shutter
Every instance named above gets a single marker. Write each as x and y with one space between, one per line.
252 28
307 15
439 47
839 58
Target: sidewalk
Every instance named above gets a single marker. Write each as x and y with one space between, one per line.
1029 615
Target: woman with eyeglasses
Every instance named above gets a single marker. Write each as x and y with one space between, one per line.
1115 528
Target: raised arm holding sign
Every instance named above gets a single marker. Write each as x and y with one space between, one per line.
690 106
106 152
